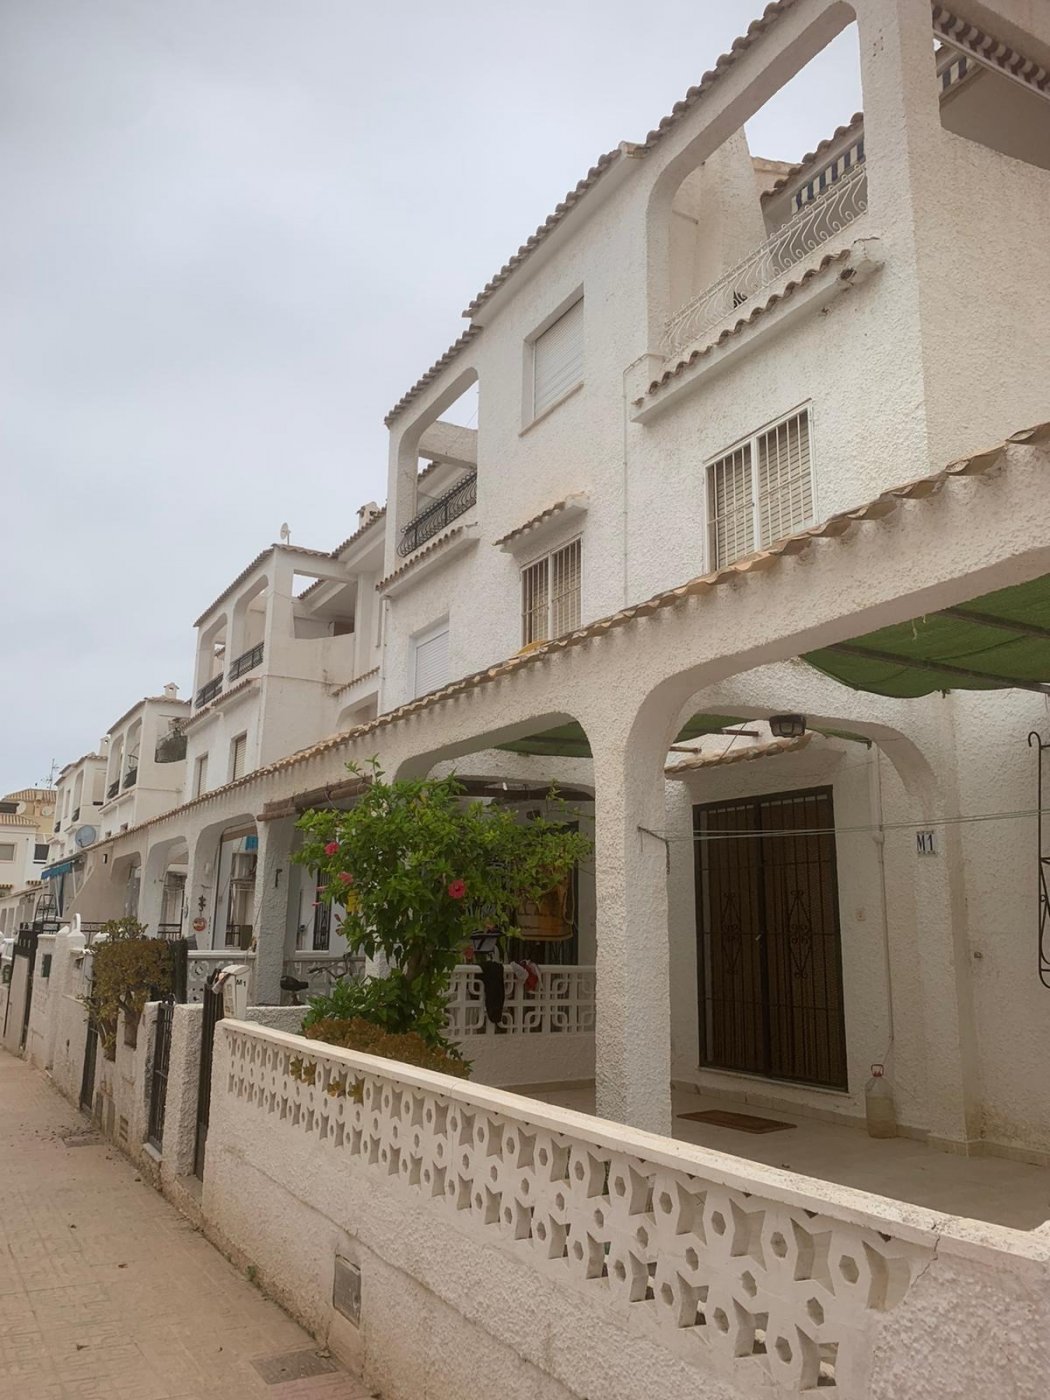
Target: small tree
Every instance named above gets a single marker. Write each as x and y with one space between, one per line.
128 967
418 871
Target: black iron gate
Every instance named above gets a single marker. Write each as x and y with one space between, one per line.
25 947
87 1078
768 944
158 1092
213 1012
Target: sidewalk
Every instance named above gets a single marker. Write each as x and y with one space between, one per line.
107 1293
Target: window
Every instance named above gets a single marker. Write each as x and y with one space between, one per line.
431 660
238 757
200 775
7 850
760 491
40 852
550 595
557 359
10 809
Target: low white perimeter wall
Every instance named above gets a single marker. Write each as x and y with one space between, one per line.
515 1249
507 1060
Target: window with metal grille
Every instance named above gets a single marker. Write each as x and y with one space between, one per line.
550 595
238 757
431 660
557 359
760 491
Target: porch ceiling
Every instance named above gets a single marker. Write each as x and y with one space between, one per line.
998 642
569 740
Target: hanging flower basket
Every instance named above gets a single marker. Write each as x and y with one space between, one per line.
546 919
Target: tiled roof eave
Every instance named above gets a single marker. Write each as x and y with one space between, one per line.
836 525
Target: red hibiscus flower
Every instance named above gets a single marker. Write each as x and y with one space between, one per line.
345 877
331 848
457 889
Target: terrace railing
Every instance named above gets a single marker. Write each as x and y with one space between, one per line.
246 662
442 512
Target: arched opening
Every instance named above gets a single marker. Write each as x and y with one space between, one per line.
438 465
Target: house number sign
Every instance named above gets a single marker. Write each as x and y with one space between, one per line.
925 845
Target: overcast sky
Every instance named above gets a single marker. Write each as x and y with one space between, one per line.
234 232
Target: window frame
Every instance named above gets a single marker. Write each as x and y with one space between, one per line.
428 634
242 740
547 556
11 846
529 412
200 775
750 441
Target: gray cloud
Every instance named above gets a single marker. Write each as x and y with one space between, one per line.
235 232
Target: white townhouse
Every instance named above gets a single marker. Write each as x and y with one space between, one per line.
26 820
749 552
714 502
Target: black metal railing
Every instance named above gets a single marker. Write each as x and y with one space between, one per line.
238 936
113 788
445 509
131 776
76 814
209 691
246 662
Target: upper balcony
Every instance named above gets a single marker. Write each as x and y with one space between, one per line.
439 514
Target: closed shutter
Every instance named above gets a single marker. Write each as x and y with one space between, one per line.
558 359
200 780
432 662
785 479
732 526
240 752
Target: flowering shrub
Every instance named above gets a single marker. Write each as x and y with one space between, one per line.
419 870
127 969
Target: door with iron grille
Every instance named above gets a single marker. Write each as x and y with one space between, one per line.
769 951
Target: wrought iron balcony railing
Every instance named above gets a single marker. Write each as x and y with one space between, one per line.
247 662
819 219
113 788
131 776
73 818
444 510
208 691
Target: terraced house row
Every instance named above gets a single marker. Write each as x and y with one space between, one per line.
749 554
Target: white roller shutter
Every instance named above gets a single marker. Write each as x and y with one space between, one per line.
557 359
432 661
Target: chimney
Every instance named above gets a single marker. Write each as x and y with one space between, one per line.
171 691
367 512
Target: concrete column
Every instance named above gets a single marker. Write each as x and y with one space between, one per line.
151 889
633 1035
200 886
270 917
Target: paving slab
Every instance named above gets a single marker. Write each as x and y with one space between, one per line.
107 1293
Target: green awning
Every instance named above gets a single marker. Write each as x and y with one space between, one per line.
1000 641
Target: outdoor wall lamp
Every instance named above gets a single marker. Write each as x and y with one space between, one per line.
787 726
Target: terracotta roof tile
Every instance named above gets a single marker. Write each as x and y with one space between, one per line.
367 676
418 555
432 373
835 526
733 755
146 699
854 126
288 548
786 292
604 163
219 701
556 509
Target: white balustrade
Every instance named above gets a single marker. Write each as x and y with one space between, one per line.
818 220
739 1269
204 961
563 1001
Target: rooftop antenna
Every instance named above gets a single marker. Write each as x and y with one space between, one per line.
286 534
52 775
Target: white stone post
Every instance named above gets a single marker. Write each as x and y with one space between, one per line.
270 916
632 999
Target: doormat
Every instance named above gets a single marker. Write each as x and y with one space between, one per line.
293 1366
742 1122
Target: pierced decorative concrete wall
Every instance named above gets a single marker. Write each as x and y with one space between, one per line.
569 1258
